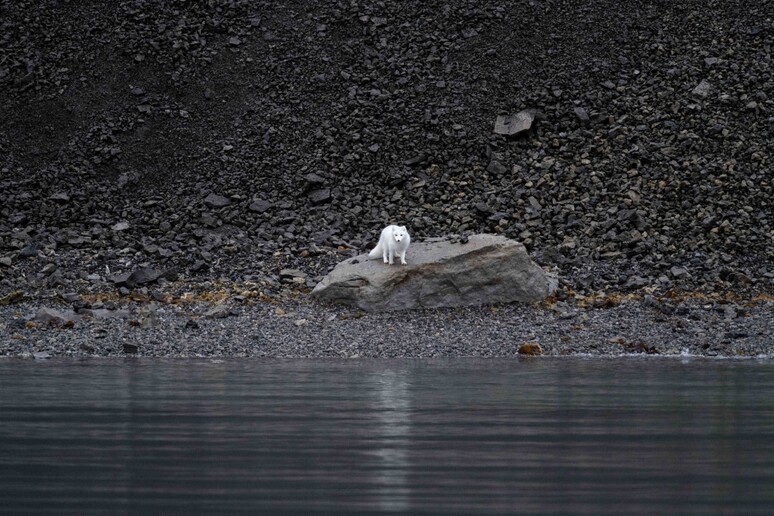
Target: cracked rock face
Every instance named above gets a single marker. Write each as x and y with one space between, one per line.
440 273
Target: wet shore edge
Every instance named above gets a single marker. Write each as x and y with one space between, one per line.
230 321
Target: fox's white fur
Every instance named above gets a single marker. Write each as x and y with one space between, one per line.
393 241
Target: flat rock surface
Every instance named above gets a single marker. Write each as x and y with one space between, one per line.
440 273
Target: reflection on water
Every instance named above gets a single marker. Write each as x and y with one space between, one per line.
392 408
465 436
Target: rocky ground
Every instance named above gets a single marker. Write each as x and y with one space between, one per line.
243 323
149 146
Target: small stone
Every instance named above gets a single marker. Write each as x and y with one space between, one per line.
513 125
191 324
530 349
220 311
292 273
314 179
216 201
120 226
234 41
260 206
636 282
496 168
582 115
320 196
301 322
41 355
702 90
415 160
130 348
60 197
137 91
141 276
71 297
678 272
29 251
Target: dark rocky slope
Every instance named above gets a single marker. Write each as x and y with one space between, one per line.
235 138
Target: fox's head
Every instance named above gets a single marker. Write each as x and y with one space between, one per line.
399 233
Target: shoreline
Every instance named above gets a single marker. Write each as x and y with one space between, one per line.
289 325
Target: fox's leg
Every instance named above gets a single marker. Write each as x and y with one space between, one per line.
403 257
384 254
392 255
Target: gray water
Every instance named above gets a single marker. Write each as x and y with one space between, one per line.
458 436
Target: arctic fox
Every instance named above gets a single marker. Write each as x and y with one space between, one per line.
394 240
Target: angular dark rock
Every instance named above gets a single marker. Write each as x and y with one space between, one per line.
496 168
415 160
260 206
214 201
60 197
314 179
320 196
513 125
141 276
679 272
702 89
219 311
636 282
29 251
582 115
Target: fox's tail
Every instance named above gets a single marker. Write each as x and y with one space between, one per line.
376 252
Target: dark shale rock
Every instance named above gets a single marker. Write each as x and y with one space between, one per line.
216 201
141 276
320 196
260 206
513 125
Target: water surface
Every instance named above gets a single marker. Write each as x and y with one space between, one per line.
441 436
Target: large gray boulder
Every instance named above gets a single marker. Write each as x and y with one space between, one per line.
486 269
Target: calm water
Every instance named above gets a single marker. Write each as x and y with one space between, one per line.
465 436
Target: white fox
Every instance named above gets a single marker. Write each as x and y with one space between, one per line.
394 240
